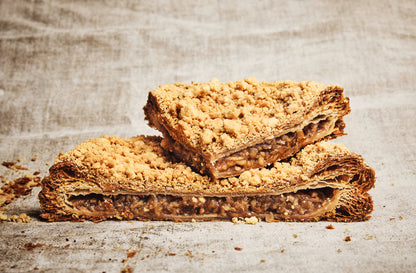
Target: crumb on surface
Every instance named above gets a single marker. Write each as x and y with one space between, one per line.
329 227
13 166
127 269
31 246
131 254
21 218
16 188
347 239
238 248
368 237
246 220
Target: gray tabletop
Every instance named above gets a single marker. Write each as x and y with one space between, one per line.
71 71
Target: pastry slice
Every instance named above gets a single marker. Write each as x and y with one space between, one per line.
125 179
224 129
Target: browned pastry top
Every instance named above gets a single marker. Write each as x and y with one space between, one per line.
218 116
139 164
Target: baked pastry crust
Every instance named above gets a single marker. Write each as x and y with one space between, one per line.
117 178
224 129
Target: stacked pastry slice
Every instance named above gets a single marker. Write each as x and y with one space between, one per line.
239 149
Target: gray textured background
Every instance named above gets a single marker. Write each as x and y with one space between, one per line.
74 70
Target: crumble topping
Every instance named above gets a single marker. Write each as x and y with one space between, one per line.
215 115
141 160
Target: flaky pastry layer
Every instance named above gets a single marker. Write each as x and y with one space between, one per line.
117 178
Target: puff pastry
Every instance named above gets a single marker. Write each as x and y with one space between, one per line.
224 129
117 178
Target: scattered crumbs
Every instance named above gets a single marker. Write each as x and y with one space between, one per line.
251 220
36 173
31 246
392 218
329 227
213 251
193 220
368 237
13 166
235 220
339 250
116 247
347 239
238 248
47 163
295 236
127 269
401 218
152 226
189 254
19 159
262 261
131 254
247 220
33 158
171 254
67 246
281 251
22 218
231 239
36 268
16 188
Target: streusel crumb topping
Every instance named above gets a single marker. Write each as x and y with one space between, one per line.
141 160
217 116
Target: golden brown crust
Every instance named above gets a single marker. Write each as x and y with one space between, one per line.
204 122
139 166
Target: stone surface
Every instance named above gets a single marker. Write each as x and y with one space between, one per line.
70 71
